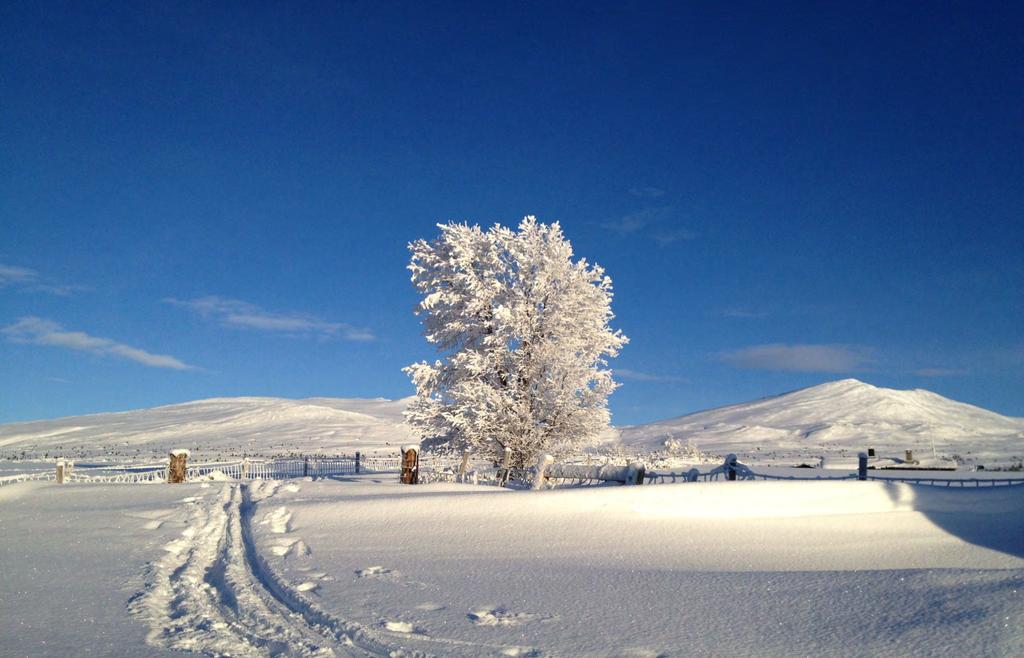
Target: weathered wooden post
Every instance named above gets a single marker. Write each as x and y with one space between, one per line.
463 465
730 467
245 468
177 469
410 464
357 462
862 466
910 456
60 471
635 473
542 464
506 467
305 466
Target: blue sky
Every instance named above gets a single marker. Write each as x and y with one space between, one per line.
214 199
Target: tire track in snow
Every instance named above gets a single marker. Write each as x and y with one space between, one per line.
212 594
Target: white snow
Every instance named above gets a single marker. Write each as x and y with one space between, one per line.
371 567
248 425
846 415
838 419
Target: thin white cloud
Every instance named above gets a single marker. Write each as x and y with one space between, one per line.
29 280
635 222
636 376
12 274
667 237
800 358
38 331
652 223
236 313
647 192
939 372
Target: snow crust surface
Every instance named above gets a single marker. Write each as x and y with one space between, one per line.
367 567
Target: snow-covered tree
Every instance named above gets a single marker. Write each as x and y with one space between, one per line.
523 332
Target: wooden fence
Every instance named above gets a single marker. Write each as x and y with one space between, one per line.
433 468
243 469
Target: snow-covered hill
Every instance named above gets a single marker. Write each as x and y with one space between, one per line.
846 415
842 415
251 425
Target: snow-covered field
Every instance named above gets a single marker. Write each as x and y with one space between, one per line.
364 566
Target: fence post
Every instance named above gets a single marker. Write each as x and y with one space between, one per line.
635 473
506 466
862 466
410 464
245 468
463 465
692 475
177 469
542 464
730 467
60 471
305 466
910 456
357 462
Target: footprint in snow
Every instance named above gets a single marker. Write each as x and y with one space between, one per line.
262 489
502 617
521 652
177 546
278 520
640 652
402 627
294 546
377 572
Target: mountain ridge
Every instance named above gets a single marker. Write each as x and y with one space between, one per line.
843 415
838 416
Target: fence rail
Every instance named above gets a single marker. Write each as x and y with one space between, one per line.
438 468
243 469
653 477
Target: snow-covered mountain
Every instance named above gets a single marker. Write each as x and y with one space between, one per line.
842 415
249 425
799 426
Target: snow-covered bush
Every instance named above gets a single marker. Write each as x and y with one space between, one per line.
523 333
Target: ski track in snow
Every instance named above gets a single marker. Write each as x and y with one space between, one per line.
212 593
